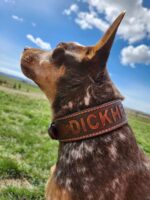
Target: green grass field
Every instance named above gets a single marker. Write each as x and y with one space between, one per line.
26 151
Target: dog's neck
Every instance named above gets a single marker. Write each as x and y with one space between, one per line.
84 93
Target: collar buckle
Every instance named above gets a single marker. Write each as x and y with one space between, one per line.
52 131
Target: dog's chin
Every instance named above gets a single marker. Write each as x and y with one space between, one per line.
27 71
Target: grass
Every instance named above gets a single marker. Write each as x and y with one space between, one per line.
26 151
141 127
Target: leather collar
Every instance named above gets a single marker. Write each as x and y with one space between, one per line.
89 122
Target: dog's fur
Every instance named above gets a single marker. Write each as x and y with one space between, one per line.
108 167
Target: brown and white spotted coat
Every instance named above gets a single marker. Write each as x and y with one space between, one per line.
107 167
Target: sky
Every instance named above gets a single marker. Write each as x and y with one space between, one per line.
45 23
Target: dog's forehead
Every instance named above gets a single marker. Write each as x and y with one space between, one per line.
76 50
75 45
78 44
71 45
73 49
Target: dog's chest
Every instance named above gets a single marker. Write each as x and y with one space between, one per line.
98 166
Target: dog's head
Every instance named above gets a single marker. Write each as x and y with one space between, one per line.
70 60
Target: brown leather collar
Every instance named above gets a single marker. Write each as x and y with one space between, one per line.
89 123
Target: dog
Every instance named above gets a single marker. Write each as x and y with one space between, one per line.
106 164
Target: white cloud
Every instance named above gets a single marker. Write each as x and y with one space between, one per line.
72 9
87 20
15 17
135 55
39 42
134 27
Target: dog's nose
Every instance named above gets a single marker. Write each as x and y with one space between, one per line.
26 48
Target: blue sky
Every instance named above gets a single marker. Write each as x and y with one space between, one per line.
45 23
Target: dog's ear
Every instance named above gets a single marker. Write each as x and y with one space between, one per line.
102 49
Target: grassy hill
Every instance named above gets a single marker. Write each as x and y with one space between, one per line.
26 151
18 84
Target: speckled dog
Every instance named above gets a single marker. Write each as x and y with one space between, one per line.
107 167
